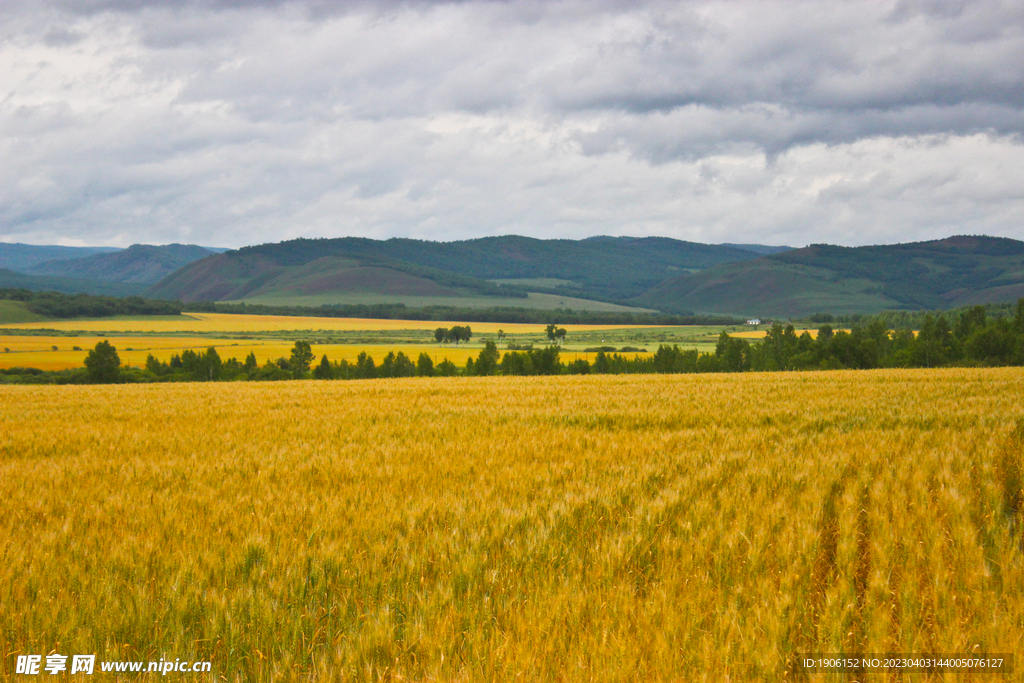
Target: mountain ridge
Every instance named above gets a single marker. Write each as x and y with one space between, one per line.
605 268
934 274
143 264
19 257
10 279
656 273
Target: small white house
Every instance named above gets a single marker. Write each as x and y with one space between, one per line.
754 321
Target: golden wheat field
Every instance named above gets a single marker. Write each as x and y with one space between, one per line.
233 337
602 528
235 323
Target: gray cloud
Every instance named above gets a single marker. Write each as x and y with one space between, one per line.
239 122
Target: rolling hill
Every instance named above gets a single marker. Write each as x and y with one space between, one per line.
21 257
266 276
607 269
599 273
142 264
938 274
10 279
256 277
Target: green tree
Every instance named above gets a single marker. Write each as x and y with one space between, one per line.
190 363
324 369
424 366
365 367
441 334
487 362
970 321
545 361
554 333
580 366
516 364
343 370
387 366
707 362
934 344
231 369
992 344
301 358
209 364
153 365
103 365
1018 317
460 333
251 365
733 354
446 368
404 366
667 358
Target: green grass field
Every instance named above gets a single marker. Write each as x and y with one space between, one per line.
15 312
535 282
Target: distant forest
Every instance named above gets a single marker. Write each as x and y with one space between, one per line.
976 339
912 320
59 305
69 306
502 314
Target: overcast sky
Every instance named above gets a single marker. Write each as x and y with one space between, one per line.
228 123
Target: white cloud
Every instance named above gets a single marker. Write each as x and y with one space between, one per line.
233 123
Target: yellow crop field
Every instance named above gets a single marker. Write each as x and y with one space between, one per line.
762 333
349 352
41 344
620 528
242 324
36 352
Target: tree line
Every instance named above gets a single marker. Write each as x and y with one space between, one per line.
457 333
914 320
63 306
497 314
59 305
976 339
